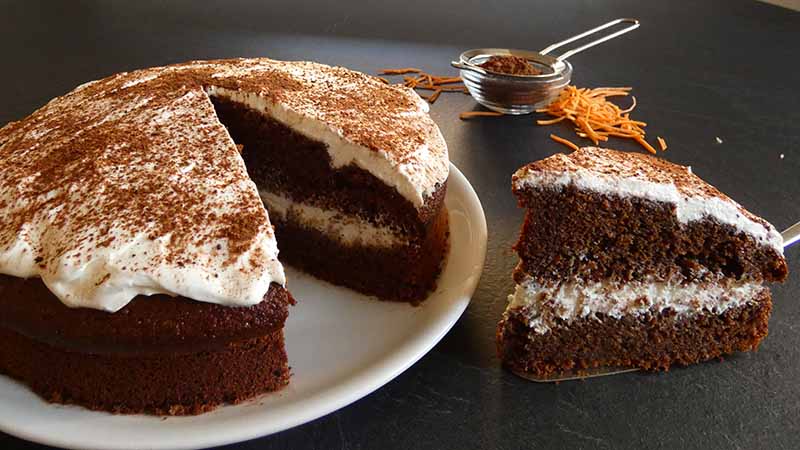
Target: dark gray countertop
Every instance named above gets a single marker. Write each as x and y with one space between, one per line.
701 70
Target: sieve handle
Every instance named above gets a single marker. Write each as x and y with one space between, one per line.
791 235
634 25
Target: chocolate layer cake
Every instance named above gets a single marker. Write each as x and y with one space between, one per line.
628 260
138 259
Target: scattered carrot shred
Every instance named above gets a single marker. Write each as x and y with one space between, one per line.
661 143
446 80
400 71
417 79
441 88
632 107
595 117
561 140
435 95
410 81
644 144
469 114
551 121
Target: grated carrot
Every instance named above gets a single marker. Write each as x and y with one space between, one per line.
644 144
595 117
435 95
469 114
410 81
661 143
441 88
561 140
446 80
400 71
427 82
632 107
551 121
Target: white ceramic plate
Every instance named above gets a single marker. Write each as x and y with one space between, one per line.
341 347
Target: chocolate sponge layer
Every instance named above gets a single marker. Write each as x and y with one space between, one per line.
157 355
652 341
575 233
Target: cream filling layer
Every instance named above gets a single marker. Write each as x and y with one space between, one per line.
346 229
541 304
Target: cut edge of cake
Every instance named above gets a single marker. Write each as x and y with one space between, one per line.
340 224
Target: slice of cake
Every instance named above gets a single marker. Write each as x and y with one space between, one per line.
137 259
353 173
628 260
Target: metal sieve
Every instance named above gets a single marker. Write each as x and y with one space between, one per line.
522 94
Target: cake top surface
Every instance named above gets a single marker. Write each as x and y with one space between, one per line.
619 173
384 129
130 185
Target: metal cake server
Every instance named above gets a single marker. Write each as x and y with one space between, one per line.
790 236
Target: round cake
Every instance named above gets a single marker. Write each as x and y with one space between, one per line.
143 214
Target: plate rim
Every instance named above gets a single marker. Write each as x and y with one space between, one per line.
363 383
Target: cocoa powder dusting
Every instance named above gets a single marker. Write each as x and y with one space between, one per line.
133 149
509 65
143 153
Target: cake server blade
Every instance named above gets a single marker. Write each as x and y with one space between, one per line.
570 375
790 236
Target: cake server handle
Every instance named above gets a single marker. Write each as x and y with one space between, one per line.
570 375
791 235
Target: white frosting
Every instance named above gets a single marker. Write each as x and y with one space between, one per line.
571 300
109 276
131 186
119 272
104 263
347 229
412 183
689 206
